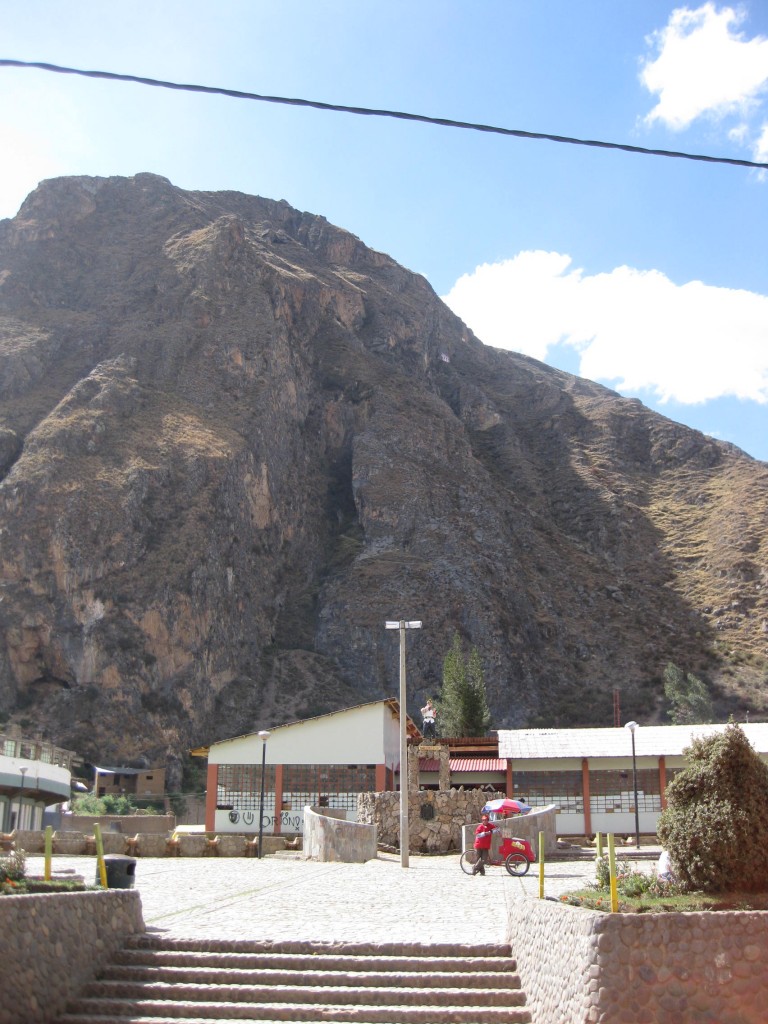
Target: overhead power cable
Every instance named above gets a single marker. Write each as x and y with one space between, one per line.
372 112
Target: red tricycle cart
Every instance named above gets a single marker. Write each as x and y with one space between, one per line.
515 854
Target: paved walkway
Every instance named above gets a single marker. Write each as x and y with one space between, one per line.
282 897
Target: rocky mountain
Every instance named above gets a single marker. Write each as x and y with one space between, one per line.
234 441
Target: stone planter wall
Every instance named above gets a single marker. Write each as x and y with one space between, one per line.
578 966
435 818
328 838
54 944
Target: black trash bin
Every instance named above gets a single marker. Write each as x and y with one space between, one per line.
121 871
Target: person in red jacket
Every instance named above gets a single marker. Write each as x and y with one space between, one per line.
483 835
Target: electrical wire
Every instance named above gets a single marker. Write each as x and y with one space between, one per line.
372 112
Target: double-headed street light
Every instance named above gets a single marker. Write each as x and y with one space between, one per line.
402 625
263 736
632 726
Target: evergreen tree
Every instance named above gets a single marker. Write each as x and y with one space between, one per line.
462 709
689 697
481 716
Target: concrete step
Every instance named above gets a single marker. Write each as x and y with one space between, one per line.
106 1011
307 993
313 961
212 975
154 980
312 948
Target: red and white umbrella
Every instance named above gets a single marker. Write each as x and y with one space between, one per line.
506 806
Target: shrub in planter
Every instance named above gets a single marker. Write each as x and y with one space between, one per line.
715 825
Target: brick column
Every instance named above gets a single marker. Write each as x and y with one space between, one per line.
211 793
278 799
585 796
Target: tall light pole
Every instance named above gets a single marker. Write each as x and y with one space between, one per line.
405 839
632 726
23 772
263 736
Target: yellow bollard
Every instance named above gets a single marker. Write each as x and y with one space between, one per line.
599 844
541 865
48 852
100 854
612 867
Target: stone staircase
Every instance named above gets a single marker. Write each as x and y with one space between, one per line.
155 980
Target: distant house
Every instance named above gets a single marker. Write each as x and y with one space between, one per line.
588 773
140 783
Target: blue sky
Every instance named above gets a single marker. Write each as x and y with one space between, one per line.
647 274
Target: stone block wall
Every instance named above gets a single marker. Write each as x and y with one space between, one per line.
143 844
29 841
128 824
579 967
53 944
328 838
435 818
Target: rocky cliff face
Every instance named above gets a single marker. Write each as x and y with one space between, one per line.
234 441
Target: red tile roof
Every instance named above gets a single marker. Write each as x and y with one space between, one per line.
465 764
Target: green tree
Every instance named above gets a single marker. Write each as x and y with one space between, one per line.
715 825
462 708
688 695
108 804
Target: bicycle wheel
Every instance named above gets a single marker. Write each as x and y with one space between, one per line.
517 864
467 861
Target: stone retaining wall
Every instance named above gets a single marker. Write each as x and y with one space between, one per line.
128 824
435 817
578 966
328 838
53 944
187 844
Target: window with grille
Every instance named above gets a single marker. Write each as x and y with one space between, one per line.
326 785
613 791
541 788
239 786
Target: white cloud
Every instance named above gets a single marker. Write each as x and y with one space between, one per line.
704 67
632 328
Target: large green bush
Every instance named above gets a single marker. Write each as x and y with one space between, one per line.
108 804
715 825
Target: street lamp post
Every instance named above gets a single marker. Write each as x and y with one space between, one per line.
23 772
632 726
402 625
263 736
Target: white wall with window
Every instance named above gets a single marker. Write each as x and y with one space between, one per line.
324 761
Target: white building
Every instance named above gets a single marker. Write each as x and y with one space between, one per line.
588 773
323 761
33 775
